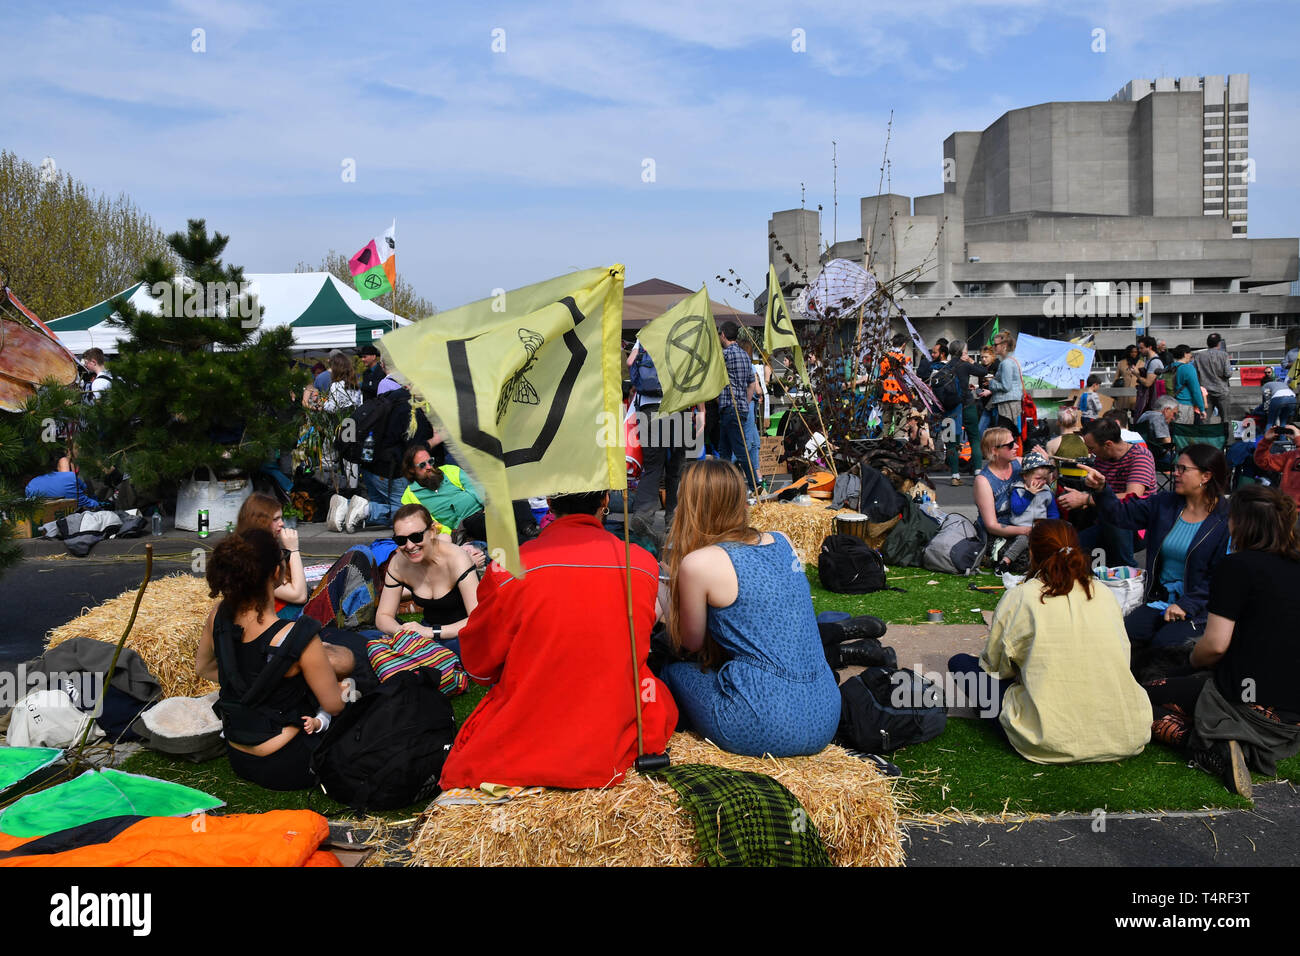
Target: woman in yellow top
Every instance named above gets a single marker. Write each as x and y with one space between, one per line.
1057 657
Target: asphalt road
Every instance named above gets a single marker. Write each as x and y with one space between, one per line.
41 594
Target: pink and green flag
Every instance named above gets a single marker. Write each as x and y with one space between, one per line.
374 268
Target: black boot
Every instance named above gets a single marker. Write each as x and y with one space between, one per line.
1225 760
864 653
865 626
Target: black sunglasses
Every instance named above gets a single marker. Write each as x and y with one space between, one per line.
414 537
1010 444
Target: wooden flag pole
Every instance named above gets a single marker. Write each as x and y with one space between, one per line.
645 763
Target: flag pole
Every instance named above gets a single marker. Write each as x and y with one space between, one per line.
644 762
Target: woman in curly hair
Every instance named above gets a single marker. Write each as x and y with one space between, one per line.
1055 668
279 683
740 603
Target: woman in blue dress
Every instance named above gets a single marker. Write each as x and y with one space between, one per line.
740 602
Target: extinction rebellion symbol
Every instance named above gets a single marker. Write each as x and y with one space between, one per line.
519 389
373 281
688 363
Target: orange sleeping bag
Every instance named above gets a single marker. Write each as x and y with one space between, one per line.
276 838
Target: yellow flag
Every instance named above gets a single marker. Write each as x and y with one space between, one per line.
520 385
778 330
683 344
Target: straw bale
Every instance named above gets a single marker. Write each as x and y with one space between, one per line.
166 632
805 525
640 822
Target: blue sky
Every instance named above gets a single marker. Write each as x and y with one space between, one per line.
503 168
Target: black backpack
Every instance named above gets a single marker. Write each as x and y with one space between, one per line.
848 565
944 385
885 708
386 751
370 418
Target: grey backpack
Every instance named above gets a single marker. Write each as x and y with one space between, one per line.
958 548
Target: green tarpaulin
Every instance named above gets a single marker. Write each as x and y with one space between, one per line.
97 795
19 762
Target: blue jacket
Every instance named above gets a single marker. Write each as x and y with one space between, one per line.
1187 386
1007 385
1157 515
61 484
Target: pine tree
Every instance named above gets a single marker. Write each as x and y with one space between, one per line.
200 384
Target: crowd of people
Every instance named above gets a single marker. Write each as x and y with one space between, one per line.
724 638
1077 680
738 652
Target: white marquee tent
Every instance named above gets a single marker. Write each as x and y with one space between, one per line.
323 312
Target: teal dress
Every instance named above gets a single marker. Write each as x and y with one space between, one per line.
776 694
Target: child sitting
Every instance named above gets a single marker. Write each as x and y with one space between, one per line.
1090 400
1031 500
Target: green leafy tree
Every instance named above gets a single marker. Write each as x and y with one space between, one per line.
200 383
404 301
63 246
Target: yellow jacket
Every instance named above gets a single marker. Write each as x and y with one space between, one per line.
1074 699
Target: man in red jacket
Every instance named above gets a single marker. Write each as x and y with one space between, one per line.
554 648
1287 464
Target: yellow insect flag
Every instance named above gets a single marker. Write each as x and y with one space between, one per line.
683 344
519 384
778 330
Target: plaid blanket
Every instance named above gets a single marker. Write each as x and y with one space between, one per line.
745 819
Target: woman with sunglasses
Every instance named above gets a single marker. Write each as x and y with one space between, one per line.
1186 539
993 484
440 577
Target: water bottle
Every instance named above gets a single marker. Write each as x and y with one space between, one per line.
368 449
156 523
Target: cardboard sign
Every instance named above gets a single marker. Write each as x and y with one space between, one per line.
770 448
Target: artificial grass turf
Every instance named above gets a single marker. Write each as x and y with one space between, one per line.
950 594
972 769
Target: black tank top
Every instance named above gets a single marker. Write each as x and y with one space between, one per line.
440 611
288 702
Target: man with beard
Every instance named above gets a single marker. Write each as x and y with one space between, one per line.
446 492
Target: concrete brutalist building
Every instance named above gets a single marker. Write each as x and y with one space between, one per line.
1099 217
